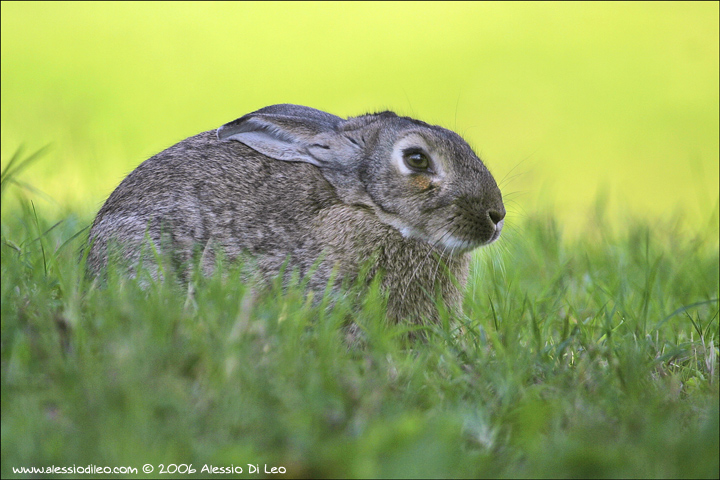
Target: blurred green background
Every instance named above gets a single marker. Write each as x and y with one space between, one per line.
563 101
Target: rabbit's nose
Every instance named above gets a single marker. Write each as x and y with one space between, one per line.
496 215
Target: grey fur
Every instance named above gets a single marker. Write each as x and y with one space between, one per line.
291 185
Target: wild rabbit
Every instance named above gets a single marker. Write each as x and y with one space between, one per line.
292 187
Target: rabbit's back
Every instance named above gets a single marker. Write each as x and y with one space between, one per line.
201 193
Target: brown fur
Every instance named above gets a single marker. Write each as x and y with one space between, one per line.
291 185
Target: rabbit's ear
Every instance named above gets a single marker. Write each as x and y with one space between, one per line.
291 133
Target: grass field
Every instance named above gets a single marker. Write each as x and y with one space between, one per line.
589 345
595 358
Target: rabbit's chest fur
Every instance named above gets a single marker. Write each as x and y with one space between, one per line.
413 273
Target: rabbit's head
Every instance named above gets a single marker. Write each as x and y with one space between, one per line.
423 180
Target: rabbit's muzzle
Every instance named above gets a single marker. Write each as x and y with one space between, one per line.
471 223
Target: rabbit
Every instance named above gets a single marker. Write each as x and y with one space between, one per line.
296 189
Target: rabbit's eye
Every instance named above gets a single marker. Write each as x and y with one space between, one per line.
416 160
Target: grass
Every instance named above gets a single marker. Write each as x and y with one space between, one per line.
595 357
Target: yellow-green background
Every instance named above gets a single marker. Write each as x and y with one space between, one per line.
577 98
